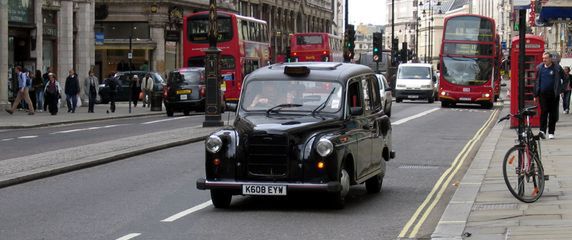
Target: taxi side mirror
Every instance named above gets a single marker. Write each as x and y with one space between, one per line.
231 107
356 111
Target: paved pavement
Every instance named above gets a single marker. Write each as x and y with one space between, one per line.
483 208
22 169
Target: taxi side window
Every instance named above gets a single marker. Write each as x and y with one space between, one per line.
366 95
354 96
375 98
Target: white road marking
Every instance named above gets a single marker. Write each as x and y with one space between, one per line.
87 129
27 137
188 211
7 139
163 120
129 236
407 119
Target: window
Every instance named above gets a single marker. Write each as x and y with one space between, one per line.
226 62
374 92
354 96
198 28
366 95
245 30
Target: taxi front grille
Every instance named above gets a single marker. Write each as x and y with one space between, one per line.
267 156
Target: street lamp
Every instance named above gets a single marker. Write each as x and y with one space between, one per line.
428 20
130 57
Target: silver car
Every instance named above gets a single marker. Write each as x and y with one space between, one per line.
385 93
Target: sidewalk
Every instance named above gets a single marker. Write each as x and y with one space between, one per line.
483 208
27 168
21 119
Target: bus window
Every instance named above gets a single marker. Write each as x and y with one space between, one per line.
197 28
245 30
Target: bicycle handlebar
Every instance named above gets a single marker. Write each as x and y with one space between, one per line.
519 114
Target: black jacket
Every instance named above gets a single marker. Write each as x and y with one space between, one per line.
72 85
559 77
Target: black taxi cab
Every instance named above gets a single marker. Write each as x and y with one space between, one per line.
308 126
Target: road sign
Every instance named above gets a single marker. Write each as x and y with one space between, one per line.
130 55
375 58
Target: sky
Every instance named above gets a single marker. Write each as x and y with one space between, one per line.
368 11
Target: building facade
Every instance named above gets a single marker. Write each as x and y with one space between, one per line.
97 34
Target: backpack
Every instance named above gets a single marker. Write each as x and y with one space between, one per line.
52 89
27 78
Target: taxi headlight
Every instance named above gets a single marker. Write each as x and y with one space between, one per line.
324 147
213 144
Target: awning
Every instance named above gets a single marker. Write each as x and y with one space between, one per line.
556 11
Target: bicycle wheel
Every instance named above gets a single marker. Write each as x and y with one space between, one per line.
525 184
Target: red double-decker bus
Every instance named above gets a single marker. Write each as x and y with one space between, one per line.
315 46
244 43
467 60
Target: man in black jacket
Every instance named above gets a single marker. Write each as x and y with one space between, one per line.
72 90
548 86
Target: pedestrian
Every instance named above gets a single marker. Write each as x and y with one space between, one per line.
71 90
91 90
24 84
52 93
147 88
135 89
46 79
39 85
112 84
32 91
547 89
567 90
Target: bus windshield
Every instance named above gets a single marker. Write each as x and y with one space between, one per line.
308 39
408 72
469 28
467 71
198 28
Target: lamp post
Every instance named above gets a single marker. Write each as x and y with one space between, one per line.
130 57
428 15
212 72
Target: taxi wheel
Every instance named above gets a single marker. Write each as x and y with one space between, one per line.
220 199
431 99
373 185
338 199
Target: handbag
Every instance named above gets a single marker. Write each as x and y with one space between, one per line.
141 94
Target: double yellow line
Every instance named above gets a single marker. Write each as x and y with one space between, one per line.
443 182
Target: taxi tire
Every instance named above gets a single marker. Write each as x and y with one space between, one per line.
220 199
373 185
338 199
431 99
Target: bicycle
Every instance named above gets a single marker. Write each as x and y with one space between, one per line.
522 166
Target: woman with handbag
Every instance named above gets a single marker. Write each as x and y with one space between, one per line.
91 90
53 93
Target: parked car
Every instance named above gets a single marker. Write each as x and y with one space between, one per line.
186 91
385 93
302 126
123 88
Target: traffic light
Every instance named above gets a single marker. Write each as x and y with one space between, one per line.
377 46
395 51
351 40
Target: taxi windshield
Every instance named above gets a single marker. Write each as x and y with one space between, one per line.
296 95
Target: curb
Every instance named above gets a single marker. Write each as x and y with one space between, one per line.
80 121
452 223
57 169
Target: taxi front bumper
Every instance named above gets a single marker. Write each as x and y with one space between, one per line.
204 184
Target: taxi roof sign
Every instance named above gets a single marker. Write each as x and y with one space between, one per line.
298 71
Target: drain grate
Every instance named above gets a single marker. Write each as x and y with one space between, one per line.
494 206
418 166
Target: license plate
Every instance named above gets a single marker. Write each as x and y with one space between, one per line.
412 96
465 99
466 90
264 190
186 91
183 97
310 57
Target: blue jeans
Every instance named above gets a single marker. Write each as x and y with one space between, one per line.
40 98
566 100
72 102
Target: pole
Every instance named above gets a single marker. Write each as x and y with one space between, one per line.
521 45
212 72
346 16
130 56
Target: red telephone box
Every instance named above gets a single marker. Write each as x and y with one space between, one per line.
533 51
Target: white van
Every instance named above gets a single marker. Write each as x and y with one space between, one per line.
415 81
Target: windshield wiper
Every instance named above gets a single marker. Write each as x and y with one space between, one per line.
323 104
280 106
